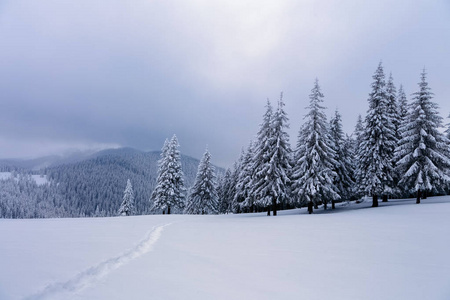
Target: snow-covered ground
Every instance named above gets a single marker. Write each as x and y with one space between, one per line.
39 179
397 251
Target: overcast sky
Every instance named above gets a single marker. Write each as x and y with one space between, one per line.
87 74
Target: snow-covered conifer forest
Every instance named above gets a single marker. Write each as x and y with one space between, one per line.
400 149
398 154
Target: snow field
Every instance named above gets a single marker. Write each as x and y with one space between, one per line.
40 180
396 252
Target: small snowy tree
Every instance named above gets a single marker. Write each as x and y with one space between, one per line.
402 104
243 194
358 170
127 206
223 192
234 206
203 197
343 167
169 191
313 173
375 166
393 107
422 155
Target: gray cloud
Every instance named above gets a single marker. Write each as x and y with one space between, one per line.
101 73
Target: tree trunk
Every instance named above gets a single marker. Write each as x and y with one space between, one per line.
374 200
274 206
316 206
385 198
164 211
424 194
324 205
333 204
168 210
268 210
418 197
310 207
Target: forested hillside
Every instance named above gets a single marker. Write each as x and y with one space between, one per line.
92 187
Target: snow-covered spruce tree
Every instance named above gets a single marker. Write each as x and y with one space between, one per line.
402 104
243 194
392 106
358 171
343 167
127 206
375 166
203 197
394 115
261 161
422 155
447 131
313 174
350 149
169 191
280 158
271 182
223 192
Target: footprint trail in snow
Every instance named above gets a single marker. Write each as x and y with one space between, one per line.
95 273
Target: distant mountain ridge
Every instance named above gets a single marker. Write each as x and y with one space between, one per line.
93 185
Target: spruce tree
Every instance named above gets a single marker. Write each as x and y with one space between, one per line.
343 167
392 106
272 160
402 104
243 194
224 191
234 179
280 158
312 174
261 159
394 117
358 170
127 206
375 167
422 155
203 198
169 191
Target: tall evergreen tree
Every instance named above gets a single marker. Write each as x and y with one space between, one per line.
359 131
402 104
313 173
272 160
392 106
343 167
127 206
422 155
358 170
243 187
280 158
375 169
394 117
169 191
224 193
235 206
261 159
203 198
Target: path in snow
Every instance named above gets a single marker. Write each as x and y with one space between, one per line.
95 273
